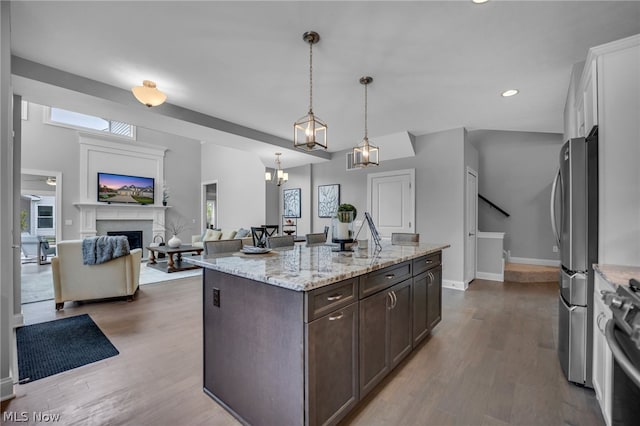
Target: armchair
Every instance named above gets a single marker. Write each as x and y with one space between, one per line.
72 280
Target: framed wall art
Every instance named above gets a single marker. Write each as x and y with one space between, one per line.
328 200
291 199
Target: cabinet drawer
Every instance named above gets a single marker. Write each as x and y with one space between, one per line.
323 300
379 280
427 262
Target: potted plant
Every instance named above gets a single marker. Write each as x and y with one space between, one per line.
165 194
343 223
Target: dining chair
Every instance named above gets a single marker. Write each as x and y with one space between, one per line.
259 234
404 238
271 229
317 238
283 241
221 246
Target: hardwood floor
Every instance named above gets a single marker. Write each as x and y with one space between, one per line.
491 361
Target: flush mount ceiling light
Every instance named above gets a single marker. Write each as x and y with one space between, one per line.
278 176
149 94
510 92
365 154
479 1
310 132
51 181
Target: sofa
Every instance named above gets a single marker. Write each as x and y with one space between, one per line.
75 281
222 234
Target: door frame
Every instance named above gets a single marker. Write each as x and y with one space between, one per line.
203 202
412 192
58 191
470 171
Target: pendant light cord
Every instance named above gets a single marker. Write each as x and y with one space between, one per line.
366 135
310 77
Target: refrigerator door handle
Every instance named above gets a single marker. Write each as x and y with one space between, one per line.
554 188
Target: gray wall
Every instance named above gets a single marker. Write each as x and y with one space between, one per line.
439 164
516 173
55 148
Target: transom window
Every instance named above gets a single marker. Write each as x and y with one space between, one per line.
76 120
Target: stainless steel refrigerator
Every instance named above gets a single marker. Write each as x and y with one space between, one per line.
574 218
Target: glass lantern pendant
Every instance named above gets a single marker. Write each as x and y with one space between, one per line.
365 154
310 132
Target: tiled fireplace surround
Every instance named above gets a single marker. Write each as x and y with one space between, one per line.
107 155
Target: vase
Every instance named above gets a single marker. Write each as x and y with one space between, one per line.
342 226
174 242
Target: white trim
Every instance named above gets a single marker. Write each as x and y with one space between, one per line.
6 389
489 276
530 261
455 285
494 235
58 192
18 320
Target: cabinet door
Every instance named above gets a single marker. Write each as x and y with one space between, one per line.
400 323
419 294
374 332
434 297
332 365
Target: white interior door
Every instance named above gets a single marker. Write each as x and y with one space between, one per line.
471 216
391 201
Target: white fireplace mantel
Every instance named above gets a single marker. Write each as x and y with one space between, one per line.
92 212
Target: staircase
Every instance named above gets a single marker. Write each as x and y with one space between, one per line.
521 273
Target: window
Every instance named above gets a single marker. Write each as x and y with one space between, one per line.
45 217
62 117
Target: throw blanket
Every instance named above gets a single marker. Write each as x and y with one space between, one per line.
96 250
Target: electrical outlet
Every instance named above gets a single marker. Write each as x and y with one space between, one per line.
555 249
216 297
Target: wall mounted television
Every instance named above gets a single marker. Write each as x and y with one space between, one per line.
114 188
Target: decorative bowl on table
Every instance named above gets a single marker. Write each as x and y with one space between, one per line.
289 231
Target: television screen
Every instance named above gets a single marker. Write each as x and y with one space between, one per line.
114 188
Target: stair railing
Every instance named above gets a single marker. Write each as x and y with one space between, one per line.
491 204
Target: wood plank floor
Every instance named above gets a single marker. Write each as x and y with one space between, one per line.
491 361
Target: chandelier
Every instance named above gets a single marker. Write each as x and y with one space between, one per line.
365 154
148 94
310 132
278 176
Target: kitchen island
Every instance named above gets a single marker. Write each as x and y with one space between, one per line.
299 335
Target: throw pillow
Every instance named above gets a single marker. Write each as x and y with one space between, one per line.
242 233
228 235
212 235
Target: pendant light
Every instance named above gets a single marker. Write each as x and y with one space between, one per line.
148 94
309 132
365 154
279 176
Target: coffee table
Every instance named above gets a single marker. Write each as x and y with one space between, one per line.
172 264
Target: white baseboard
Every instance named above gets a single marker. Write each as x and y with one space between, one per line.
18 320
489 276
531 261
6 389
455 285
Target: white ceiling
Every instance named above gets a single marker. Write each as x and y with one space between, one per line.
436 65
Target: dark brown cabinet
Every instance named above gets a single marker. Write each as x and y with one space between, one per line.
434 297
385 333
427 295
332 365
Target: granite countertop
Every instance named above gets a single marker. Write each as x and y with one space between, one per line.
303 268
617 274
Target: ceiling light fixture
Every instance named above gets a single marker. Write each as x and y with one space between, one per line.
365 154
479 1
149 94
510 92
51 181
278 176
310 132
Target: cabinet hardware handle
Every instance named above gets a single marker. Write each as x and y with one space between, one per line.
395 300
336 317
390 276
390 300
429 262
334 297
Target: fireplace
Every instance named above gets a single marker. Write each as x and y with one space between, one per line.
134 237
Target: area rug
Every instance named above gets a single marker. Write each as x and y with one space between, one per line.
53 347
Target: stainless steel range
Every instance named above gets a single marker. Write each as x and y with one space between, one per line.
623 337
